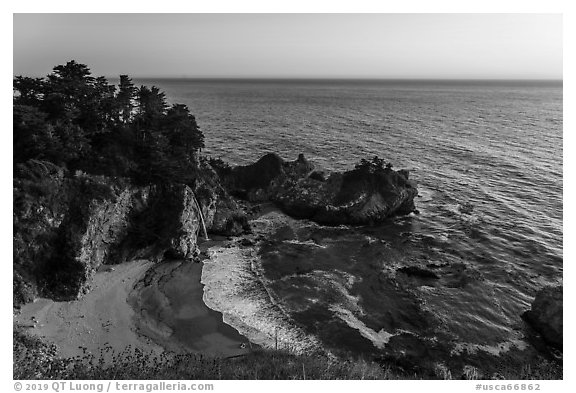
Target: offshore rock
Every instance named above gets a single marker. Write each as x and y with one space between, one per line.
546 316
252 180
365 195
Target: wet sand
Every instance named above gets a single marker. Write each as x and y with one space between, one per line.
173 314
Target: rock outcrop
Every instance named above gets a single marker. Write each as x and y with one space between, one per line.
66 227
546 315
365 195
164 224
40 204
221 213
91 228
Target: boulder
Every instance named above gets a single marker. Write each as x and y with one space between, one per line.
546 317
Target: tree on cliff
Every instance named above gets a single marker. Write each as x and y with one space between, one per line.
78 121
66 91
373 165
125 98
183 133
59 142
28 91
151 106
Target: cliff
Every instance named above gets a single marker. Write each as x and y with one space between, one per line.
66 227
221 212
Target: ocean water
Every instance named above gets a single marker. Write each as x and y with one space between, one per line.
487 158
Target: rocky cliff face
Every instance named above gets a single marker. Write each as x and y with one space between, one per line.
154 222
364 195
63 228
67 227
546 316
163 223
221 213
91 228
41 200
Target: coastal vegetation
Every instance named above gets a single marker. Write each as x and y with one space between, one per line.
82 123
34 359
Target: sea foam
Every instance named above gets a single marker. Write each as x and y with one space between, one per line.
234 289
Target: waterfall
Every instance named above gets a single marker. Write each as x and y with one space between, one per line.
201 216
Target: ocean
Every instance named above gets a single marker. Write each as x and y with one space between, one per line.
487 157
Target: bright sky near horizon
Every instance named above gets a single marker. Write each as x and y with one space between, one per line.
515 46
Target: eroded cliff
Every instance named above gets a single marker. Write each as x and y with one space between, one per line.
67 227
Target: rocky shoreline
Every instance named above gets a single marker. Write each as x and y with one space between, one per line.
89 221
108 222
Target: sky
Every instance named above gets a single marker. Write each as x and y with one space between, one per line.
430 46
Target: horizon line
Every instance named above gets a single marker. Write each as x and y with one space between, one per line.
354 79
334 77
326 78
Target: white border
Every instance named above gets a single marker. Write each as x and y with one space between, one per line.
247 6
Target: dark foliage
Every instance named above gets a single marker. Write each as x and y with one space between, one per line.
373 165
77 137
34 359
81 122
371 176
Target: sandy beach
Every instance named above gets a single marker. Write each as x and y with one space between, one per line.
102 317
137 304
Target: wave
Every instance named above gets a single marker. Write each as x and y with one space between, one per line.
232 288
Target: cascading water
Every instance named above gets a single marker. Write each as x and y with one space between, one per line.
201 218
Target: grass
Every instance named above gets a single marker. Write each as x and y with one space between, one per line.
34 359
